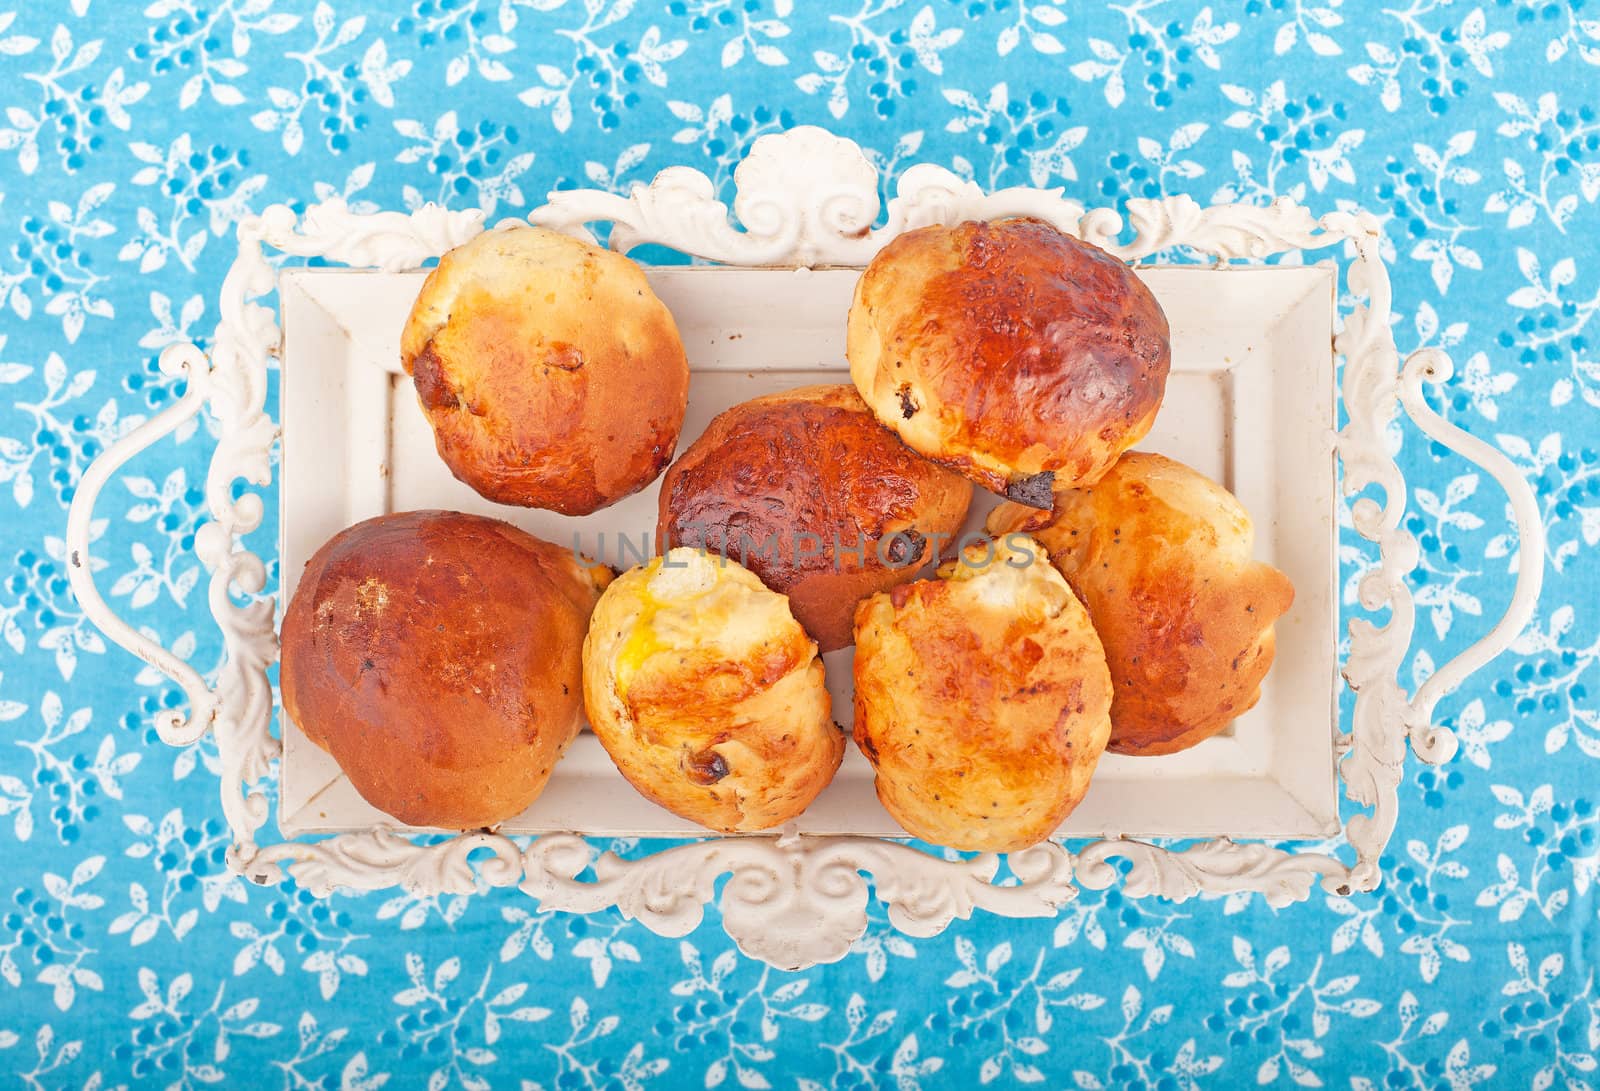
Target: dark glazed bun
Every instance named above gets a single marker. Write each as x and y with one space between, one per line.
1017 355
805 469
437 657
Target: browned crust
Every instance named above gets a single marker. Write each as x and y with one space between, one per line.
811 466
1008 351
436 656
734 773
984 723
550 373
1185 615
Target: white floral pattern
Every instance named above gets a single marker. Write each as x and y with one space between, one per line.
131 145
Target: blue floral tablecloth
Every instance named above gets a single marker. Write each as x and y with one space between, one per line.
132 140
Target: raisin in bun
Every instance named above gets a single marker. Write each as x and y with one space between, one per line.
551 374
1161 555
1019 356
816 498
982 698
436 656
708 695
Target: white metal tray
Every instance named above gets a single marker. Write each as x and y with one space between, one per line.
1251 402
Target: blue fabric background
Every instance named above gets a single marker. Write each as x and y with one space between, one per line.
132 141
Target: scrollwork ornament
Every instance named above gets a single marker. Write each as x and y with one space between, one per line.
803 198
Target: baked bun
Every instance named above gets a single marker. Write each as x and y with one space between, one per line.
551 374
982 698
708 695
435 655
1017 355
1160 553
816 498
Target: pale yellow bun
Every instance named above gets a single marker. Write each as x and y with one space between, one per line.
708 694
552 375
982 699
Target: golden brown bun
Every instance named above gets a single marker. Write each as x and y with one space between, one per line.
435 655
708 695
551 374
1017 355
806 469
982 699
1160 553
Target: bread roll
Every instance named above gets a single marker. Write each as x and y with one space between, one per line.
1160 553
816 498
1019 356
551 374
981 698
435 655
708 695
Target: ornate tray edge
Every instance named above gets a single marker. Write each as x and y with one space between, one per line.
806 198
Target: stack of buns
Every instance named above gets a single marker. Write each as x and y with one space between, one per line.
446 661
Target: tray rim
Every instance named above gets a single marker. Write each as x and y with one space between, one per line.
807 198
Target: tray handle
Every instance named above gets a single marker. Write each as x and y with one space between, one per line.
172 725
1433 365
